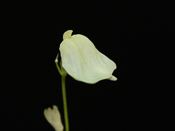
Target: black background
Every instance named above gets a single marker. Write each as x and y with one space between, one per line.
135 35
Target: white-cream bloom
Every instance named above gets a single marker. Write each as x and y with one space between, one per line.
83 61
54 118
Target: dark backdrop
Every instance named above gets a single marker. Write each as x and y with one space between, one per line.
135 35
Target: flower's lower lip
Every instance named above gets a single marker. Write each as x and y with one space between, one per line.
83 61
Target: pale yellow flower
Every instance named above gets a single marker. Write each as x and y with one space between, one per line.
54 118
83 61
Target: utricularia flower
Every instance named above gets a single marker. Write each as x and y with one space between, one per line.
83 61
54 118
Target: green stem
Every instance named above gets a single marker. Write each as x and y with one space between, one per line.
65 102
58 68
63 74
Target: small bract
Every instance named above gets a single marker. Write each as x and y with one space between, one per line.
83 61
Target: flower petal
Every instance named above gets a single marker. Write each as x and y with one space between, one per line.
83 61
54 118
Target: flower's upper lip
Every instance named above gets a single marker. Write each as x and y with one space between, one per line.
67 34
